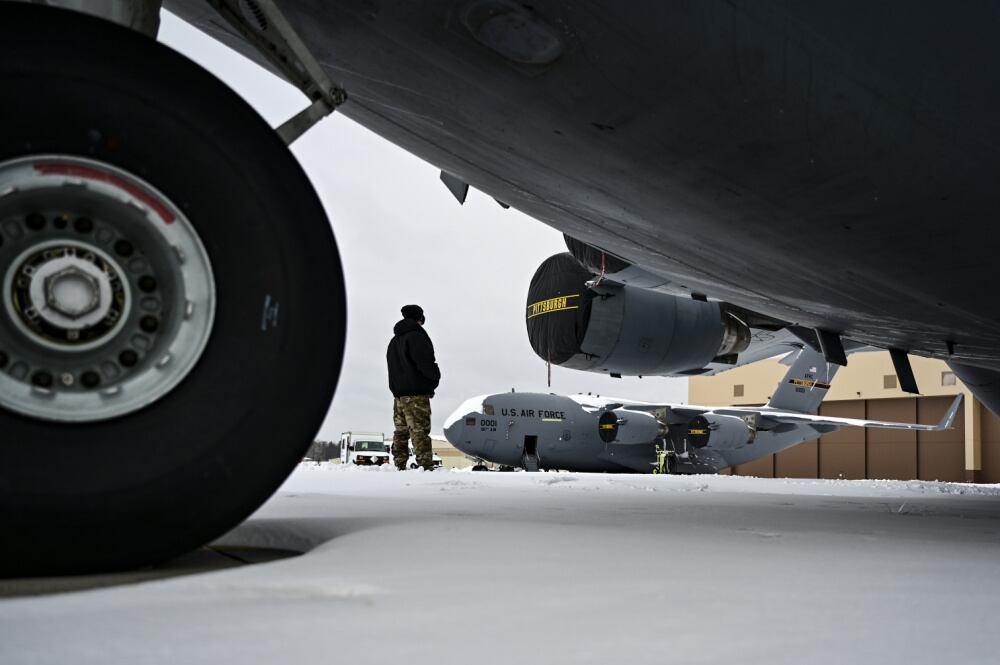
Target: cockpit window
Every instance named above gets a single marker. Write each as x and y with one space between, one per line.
470 421
471 405
488 410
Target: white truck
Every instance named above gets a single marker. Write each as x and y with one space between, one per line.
436 460
363 448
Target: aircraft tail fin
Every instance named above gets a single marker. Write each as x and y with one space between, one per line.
805 384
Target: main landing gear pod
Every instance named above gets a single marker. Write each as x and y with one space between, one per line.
172 315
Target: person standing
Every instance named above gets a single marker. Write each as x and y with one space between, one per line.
413 378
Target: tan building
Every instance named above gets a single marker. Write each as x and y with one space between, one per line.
868 388
451 457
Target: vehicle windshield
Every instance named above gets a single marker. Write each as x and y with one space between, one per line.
370 446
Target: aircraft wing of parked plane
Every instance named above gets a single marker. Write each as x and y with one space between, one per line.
769 416
790 417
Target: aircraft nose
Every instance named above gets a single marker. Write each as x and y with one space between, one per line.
455 428
455 432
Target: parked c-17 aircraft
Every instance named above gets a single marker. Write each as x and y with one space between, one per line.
172 318
593 433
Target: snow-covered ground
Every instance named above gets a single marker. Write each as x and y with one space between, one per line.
462 567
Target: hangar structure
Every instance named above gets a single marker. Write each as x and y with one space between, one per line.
868 388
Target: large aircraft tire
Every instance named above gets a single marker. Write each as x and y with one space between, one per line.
172 319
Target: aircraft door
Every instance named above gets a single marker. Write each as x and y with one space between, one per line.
529 459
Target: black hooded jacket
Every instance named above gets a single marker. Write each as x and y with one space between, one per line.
412 368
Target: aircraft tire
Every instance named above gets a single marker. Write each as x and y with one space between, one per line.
197 393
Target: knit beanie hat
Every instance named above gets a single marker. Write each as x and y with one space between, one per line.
414 312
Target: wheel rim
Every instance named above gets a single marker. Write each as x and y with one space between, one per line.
108 294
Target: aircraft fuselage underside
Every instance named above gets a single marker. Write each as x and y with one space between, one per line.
775 155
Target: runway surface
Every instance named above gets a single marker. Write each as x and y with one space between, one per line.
458 567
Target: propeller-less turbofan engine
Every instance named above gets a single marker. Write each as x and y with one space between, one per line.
579 320
723 432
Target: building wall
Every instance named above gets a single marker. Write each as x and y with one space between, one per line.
451 457
859 391
861 379
990 447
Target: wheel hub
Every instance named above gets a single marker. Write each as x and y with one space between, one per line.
107 298
68 296
73 292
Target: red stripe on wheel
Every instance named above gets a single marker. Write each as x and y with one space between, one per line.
93 174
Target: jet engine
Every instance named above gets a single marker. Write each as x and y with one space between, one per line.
722 432
607 426
628 427
623 329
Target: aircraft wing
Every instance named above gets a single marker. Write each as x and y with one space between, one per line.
598 403
792 417
679 413
671 414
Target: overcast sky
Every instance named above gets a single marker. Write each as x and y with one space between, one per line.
404 239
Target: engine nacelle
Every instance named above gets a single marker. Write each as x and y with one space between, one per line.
719 432
628 427
622 329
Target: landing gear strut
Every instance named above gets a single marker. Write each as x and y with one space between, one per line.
172 313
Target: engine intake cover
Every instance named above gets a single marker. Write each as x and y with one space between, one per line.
558 308
698 432
607 426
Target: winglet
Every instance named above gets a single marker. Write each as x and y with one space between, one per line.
949 416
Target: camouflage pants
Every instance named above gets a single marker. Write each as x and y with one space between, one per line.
411 417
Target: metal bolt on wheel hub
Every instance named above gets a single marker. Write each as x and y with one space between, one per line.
67 296
108 297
